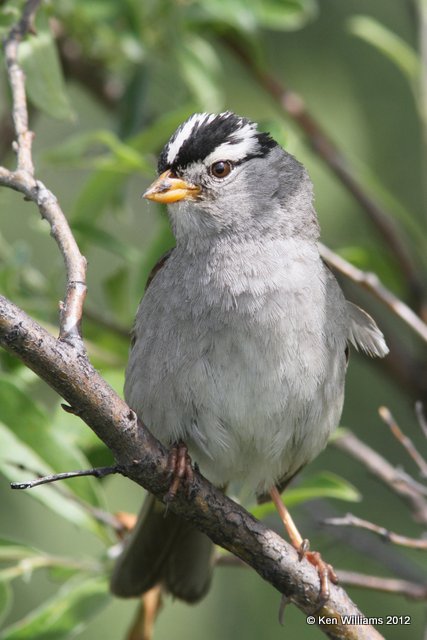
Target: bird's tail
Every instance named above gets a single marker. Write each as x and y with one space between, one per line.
164 549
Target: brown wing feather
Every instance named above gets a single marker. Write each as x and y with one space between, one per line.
280 486
159 264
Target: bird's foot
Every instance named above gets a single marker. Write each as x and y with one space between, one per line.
325 571
180 470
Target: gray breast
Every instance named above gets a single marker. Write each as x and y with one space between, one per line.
247 370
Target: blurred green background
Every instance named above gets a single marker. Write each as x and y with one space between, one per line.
108 83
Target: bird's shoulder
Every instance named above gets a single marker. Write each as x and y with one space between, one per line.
158 267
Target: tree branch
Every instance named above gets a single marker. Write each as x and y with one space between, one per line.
382 469
23 180
372 283
107 518
421 417
75 263
145 461
17 85
404 440
97 472
412 590
349 520
388 585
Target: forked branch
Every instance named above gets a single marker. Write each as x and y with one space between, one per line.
24 181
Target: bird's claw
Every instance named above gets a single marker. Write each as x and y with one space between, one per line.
180 470
325 571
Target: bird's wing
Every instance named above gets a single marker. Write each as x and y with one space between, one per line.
159 264
364 332
154 271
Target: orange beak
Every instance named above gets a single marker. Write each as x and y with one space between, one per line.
168 189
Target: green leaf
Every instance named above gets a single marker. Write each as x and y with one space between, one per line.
123 157
33 427
12 451
99 192
61 573
201 69
402 213
101 238
116 288
115 378
23 560
159 245
10 13
321 485
391 45
5 600
72 149
44 82
18 410
105 185
284 15
235 13
98 11
11 551
63 616
154 137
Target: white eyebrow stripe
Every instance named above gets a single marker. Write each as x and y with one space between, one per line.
233 151
184 132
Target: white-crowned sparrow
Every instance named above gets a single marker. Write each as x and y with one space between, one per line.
240 343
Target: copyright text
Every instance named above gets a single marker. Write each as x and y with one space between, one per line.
359 620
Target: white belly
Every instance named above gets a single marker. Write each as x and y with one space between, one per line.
254 399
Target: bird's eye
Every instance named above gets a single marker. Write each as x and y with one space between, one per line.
221 169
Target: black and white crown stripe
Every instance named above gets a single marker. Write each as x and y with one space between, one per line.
184 132
212 137
235 149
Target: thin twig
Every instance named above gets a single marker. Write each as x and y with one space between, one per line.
294 106
410 481
421 417
72 308
349 520
372 283
367 546
382 469
284 601
100 515
23 180
29 564
411 590
97 472
404 440
17 84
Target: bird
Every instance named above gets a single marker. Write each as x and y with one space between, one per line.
240 344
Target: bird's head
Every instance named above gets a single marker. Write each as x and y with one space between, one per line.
219 175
